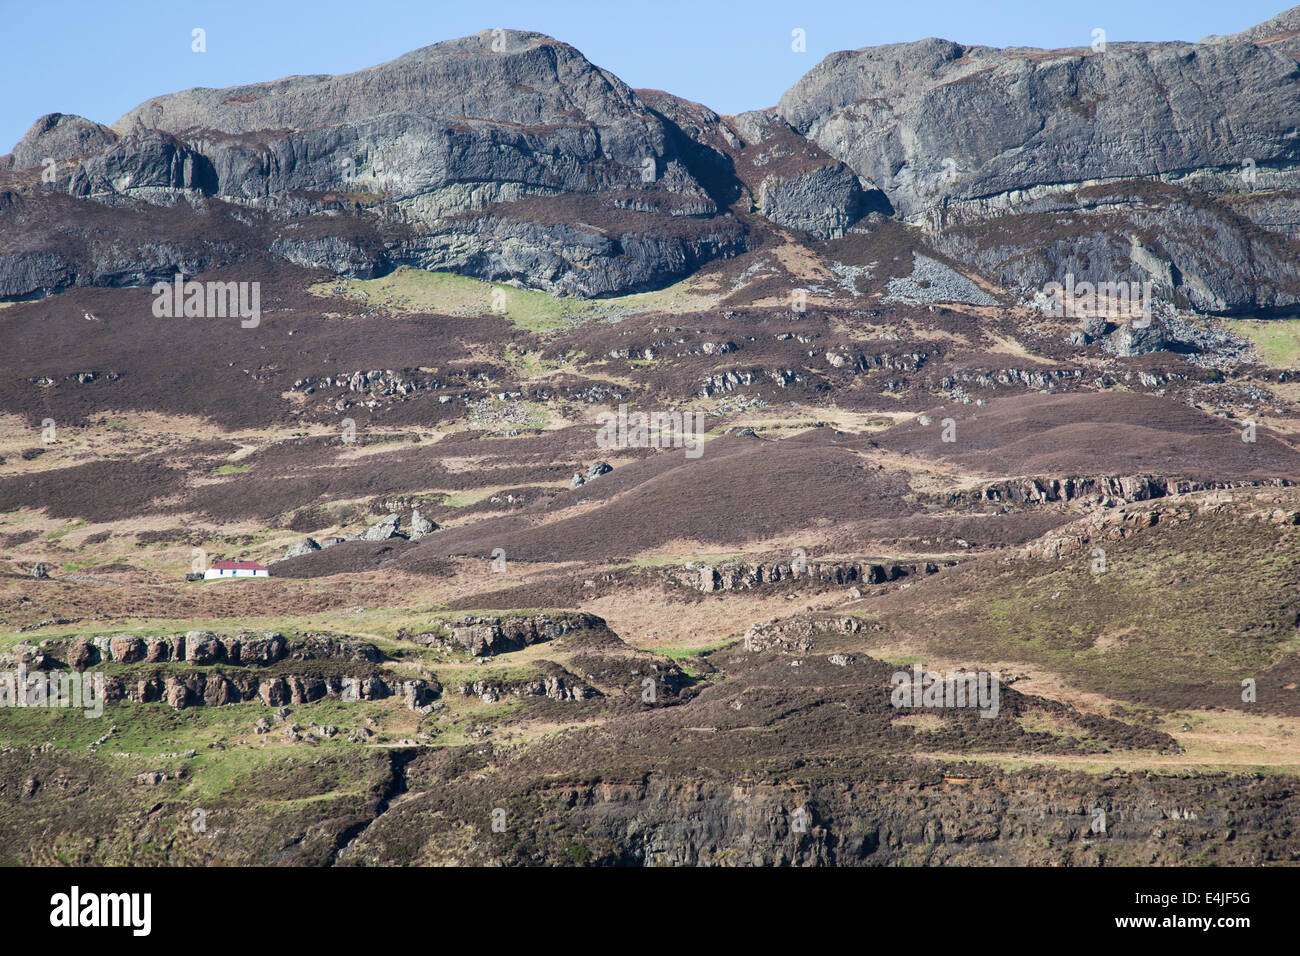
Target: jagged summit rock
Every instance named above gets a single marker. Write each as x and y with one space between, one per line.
506 155
60 137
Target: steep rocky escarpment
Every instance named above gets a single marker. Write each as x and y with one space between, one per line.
507 155
936 121
956 135
970 816
772 779
467 126
772 169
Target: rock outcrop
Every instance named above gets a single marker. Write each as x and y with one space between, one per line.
555 682
795 183
1014 149
205 648
487 636
467 155
421 525
58 137
759 157
201 689
936 121
508 156
384 529
1104 490
305 546
744 577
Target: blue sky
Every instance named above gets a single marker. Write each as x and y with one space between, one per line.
99 59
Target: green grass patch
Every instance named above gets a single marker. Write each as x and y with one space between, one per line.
1276 340
66 529
679 653
408 289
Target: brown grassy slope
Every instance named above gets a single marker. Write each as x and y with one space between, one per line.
1108 433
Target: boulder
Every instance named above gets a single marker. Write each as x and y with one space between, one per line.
1129 340
127 650
305 546
383 530
176 693
1095 326
254 650
82 654
824 201
420 525
202 647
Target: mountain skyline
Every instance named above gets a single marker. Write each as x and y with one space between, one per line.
511 156
748 70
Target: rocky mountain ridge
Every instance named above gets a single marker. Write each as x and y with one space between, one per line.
507 155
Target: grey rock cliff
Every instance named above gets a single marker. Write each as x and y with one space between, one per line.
508 156
439 148
935 120
973 143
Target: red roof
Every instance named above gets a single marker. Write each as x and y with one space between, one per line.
238 566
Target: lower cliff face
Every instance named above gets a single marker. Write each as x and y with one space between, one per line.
896 813
428 808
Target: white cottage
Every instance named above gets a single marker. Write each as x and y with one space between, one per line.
235 569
